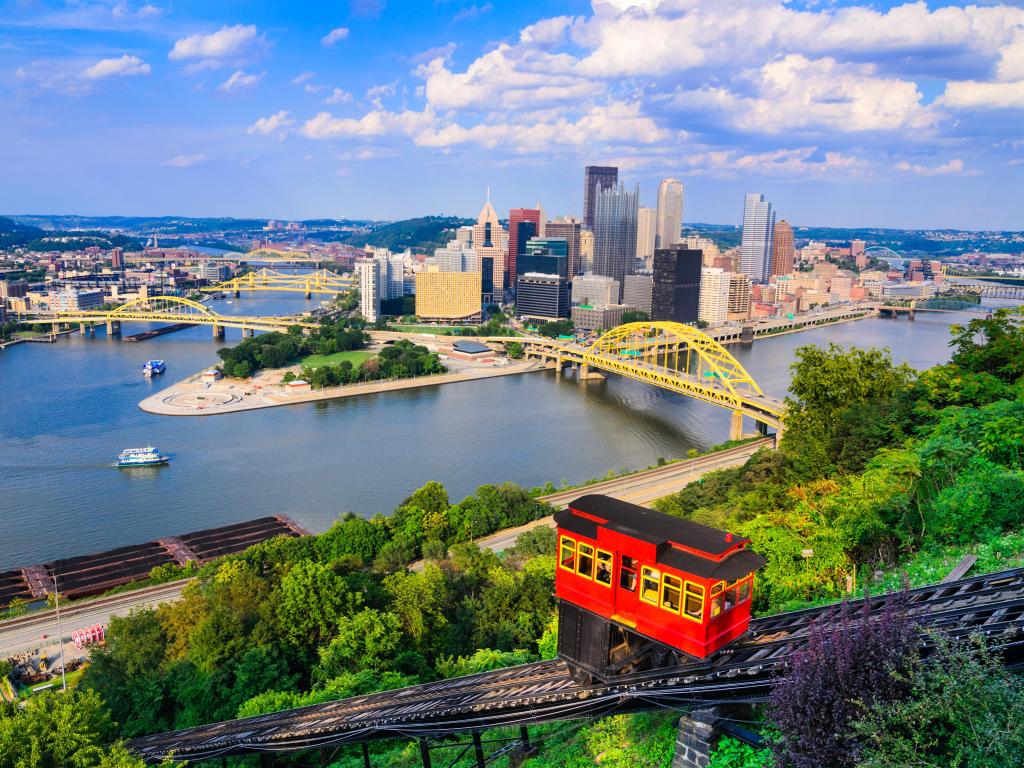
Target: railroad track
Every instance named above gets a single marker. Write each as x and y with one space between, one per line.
544 691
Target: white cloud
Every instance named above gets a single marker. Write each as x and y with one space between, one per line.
313 88
277 122
239 81
334 36
228 43
302 77
954 166
970 94
339 96
472 11
799 162
799 93
123 66
375 123
184 161
377 92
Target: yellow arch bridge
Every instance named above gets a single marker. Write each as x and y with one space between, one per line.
670 356
276 255
322 281
167 309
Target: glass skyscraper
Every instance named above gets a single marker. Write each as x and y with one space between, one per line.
615 213
595 178
756 245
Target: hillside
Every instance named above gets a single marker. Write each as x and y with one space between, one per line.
421 234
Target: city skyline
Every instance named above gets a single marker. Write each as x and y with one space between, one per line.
850 115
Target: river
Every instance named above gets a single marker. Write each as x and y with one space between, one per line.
67 409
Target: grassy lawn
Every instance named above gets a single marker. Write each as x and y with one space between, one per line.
354 356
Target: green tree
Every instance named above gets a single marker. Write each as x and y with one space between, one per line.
311 601
55 730
366 640
420 600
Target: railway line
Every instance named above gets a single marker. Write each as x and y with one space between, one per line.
991 604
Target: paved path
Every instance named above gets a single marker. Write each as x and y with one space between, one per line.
26 632
639 488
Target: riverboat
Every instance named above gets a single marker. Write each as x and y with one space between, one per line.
141 457
153 368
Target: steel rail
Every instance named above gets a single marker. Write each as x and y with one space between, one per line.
991 604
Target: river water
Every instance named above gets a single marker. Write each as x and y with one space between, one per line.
67 410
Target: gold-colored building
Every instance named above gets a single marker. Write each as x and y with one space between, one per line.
449 297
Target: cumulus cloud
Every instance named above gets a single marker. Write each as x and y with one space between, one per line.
240 81
236 43
184 161
472 11
375 123
972 95
954 166
122 66
336 35
278 122
302 77
339 96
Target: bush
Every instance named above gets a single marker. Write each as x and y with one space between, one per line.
851 662
964 710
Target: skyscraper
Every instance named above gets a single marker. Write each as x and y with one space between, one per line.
523 224
677 272
782 249
568 229
489 242
756 244
596 177
714 296
646 232
615 212
670 213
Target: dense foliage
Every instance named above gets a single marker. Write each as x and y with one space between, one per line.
420 234
400 360
276 350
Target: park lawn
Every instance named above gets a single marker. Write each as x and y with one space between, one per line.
437 330
354 356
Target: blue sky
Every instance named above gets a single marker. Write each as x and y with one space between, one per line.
843 114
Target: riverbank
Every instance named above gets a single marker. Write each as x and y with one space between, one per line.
193 397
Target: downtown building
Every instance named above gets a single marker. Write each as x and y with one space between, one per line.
570 230
523 225
542 289
448 297
646 234
490 241
677 275
713 306
783 253
670 213
615 214
596 178
756 242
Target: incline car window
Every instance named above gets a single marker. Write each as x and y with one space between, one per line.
671 589
585 562
567 555
694 605
649 585
603 574
627 574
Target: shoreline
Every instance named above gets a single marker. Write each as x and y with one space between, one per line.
187 397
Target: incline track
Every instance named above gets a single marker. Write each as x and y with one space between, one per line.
543 691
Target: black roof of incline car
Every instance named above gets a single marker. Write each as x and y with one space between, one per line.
661 530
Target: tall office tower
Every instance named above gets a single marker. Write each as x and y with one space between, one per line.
546 256
489 242
117 258
705 245
456 257
567 229
646 231
615 212
783 254
739 297
756 244
713 308
676 284
523 224
542 297
596 177
464 236
586 252
395 266
369 289
670 213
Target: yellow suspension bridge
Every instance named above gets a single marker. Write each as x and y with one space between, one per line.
322 281
166 309
670 356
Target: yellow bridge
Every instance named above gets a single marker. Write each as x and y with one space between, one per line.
276 255
322 281
167 309
670 356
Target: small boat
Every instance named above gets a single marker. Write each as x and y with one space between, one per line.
141 457
153 368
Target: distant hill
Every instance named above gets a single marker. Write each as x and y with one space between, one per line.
422 234
13 234
16 234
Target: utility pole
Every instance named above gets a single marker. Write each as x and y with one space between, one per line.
60 635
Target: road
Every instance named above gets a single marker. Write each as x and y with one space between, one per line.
26 632
639 488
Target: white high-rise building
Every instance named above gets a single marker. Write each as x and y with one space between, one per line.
395 266
595 290
713 307
646 233
670 213
756 244
464 236
369 288
456 257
